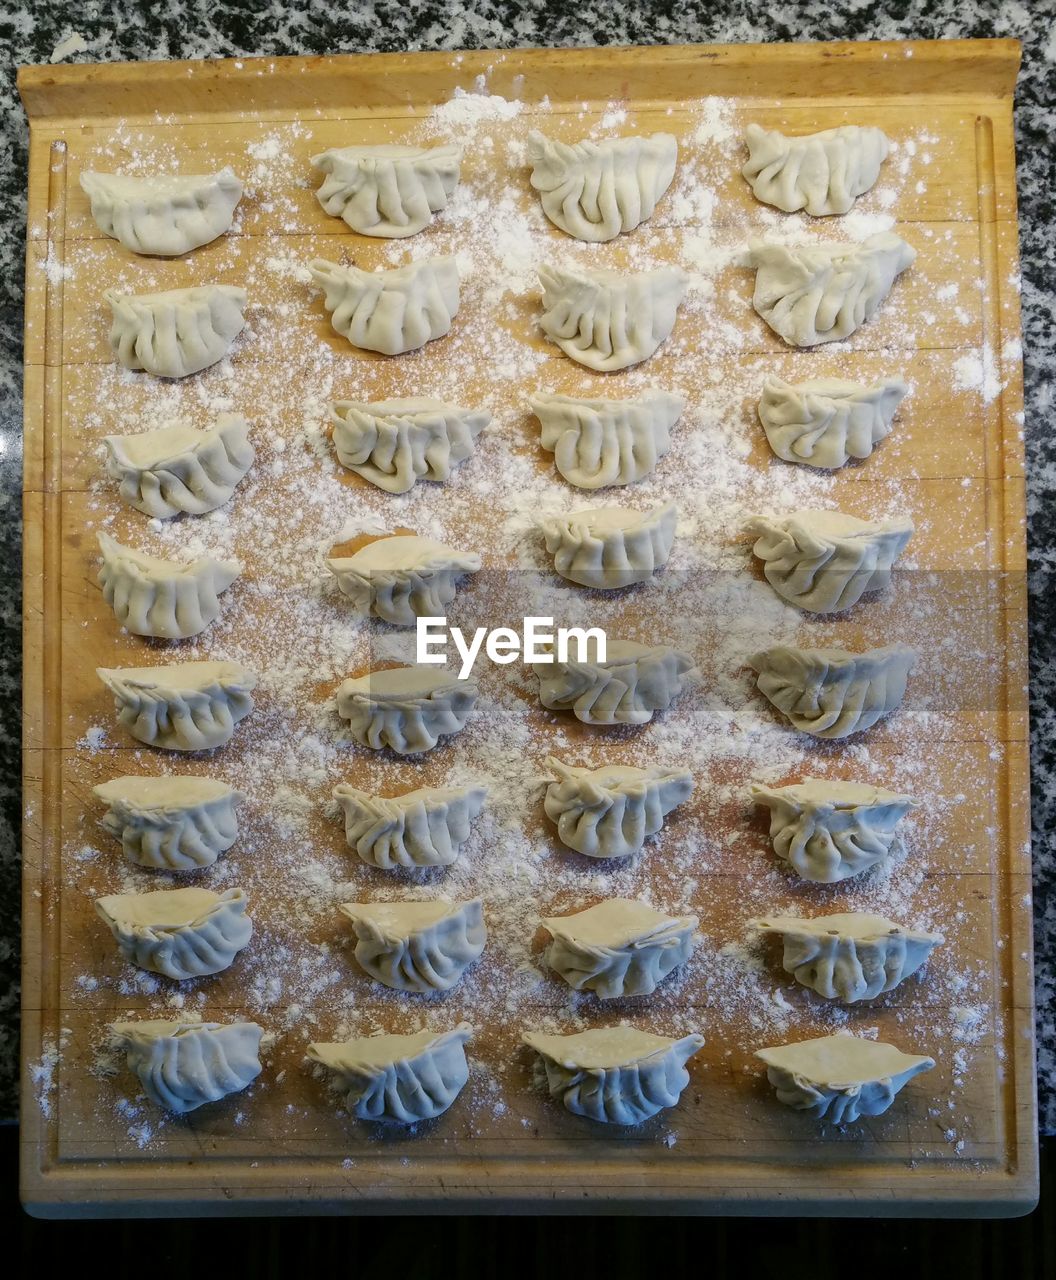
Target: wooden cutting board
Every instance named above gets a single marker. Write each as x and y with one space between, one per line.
960 1140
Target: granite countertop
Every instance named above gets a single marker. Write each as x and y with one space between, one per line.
38 32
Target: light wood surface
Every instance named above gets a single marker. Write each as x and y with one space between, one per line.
737 1151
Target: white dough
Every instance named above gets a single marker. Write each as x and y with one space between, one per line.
181 933
388 191
390 311
402 578
610 547
407 709
164 215
182 822
826 422
423 828
596 443
417 946
177 333
184 1065
629 687
185 706
823 173
610 812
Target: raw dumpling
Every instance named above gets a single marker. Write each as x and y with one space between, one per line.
828 831
605 442
839 1078
399 1078
177 333
177 823
164 215
387 191
395 442
185 706
823 173
629 687
181 933
618 1075
596 190
609 812
831 693
823 292
618 948
390 311
610 547
176 469
184 1065
406 708
162 598
417 946
827 421
423 828
608 320
849 957
403 578
825 561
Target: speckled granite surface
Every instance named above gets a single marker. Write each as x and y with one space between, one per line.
33 32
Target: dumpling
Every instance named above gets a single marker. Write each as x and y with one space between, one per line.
850 957
831 693
596 443
176 469
823 173
610 547
400 1078
608 320
176 823
825 561
387 191
609 812
395 442
164 215
166 599
181 933
596 190
403 578
827 421
184 1065
417 946
823 292
390 311
840 1078
423 828
828 831
185 706
177 333
617 1075
405 708
618 948
629 687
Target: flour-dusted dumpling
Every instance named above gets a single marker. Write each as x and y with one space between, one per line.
629 687
610 547
596 190
823 173
823 292
177 333
164 215
184 1065
165 599
610 812
596 443
423 828
840 1078
608 320
831 693
390 311
403 578
387 191
405 708
827 421
174 469
825 561
417 946
830 830
176 823
400 1078
181 933
618 1075
850 957
395 442
185 706
618 948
